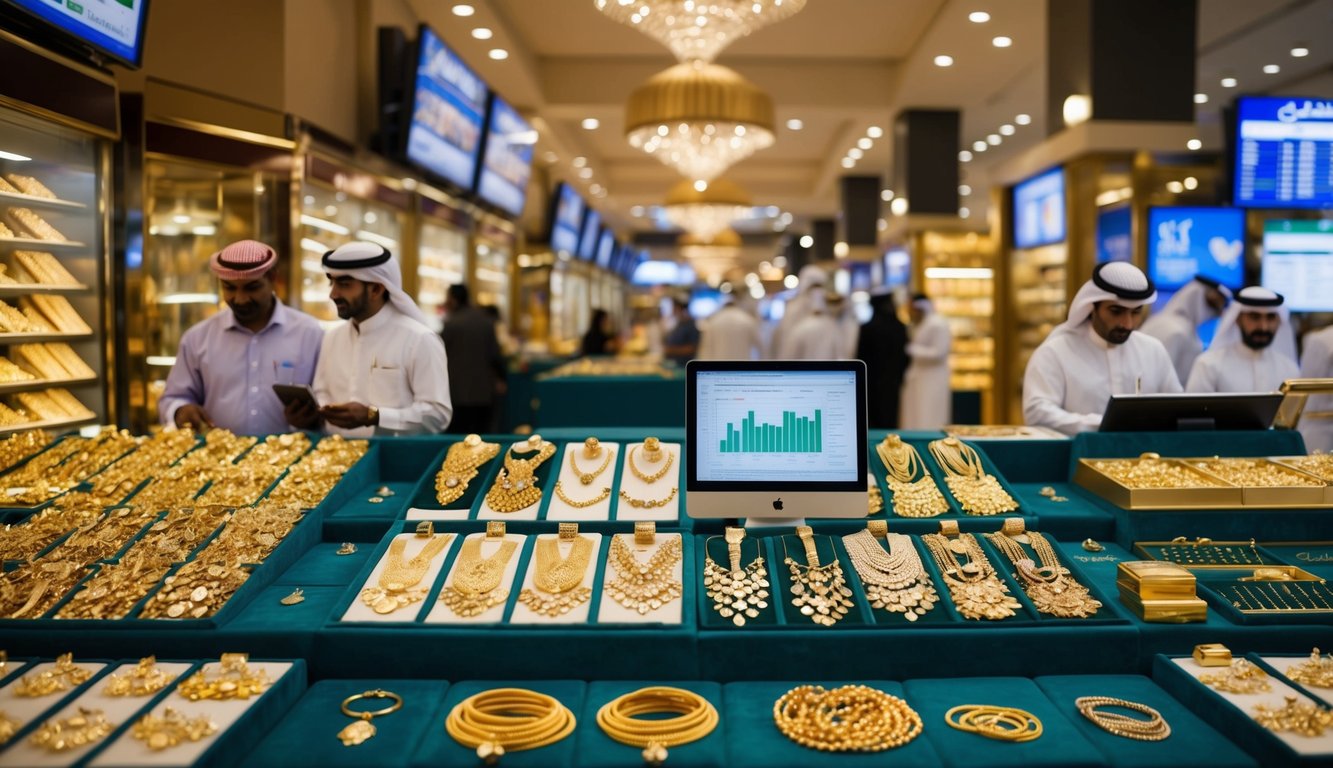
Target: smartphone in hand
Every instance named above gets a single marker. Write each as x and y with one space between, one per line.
295 393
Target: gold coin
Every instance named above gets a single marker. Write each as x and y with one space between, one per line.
176 610
199 594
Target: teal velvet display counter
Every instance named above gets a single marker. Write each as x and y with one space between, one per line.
610 401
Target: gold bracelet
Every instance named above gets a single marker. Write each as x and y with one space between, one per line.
852 718
995 722
648 503
620 719
171 729
1155 728
363 730
508 720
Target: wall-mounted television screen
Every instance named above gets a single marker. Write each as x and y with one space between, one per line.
897 267
606 248
507 160
566 219
1284 147
1039 210
1298 263
111 28
1184 242
592 228
1113 242
448 104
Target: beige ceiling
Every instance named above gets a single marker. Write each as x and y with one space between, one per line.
840 66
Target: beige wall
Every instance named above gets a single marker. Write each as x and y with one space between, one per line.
321 64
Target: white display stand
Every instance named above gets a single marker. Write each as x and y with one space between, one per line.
442 614
117 709
1273 699
611 612
24 709
416 513
574 489
527 513
525 615
359 611
638 489
129 751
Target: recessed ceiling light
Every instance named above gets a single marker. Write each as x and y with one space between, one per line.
874 131
1191 182
591 123
1002 41
978 17
806 241
700 185
464 10
482 33
886 195
864 143
1175 186
964 156
943 61
636 211
579 161
1007 130
964 189
847 162
963 212
994 139
551 157
1271 69
899 206
1193 144
1228 82
1200 98
585 173
1300 52
1023 119
855 153
979 146
795 124
499 54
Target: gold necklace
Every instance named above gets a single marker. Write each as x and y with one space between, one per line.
976 590
515 485
737 592
895 580
648 503
397 582
460 466
558 581
977 491
819 591
475 586
654 477
644 587
912 496
1050 587
591 448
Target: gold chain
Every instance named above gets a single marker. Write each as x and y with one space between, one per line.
644 587
977 592
586 478
895 580
654 477
977 491
1049 585
852 718
649 503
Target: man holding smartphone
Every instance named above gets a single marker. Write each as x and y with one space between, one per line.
383 372
226 366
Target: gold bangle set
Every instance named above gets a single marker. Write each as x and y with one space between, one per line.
977 491
913 495
460 467
508 720
1155 728
995 722
852 718
623 720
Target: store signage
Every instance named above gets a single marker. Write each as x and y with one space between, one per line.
1113 241
1284 149
112 28
1184 242
448 102
1298 263
507 162
1039 210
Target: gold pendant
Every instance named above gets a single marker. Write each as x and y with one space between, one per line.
297 596
356 733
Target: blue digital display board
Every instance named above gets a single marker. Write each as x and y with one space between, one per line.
1284 153
113 28
1184 242
897 267
507 161
606 248
592 227
1039 210
448 104
1113 241
566 220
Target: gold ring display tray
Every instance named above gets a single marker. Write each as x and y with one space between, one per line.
1201 483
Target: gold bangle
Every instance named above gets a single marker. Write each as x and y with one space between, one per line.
508 720
362 730
852 718
619 719
1155 728
995 722
171 729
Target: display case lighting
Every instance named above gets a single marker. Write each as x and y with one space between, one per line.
161 361
13 156
492 275
314 246
324 224
204 230
188 298
371 237
313 265
960 273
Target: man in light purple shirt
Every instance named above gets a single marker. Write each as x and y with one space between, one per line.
227 365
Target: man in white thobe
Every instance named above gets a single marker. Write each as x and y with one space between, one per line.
1317 363
730 333
1254 349
1096 353
927 400
384 371
1177 324
816 336
811 280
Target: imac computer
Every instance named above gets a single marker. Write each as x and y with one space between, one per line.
1190 411
776 439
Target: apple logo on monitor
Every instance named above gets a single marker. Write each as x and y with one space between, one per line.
777 504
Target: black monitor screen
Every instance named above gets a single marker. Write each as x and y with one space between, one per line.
1169 413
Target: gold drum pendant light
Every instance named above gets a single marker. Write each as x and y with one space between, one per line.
705 212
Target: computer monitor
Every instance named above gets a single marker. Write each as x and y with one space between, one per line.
1190 411
776 439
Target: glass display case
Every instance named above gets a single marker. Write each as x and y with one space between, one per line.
441 256
1039 295
492 253
53 319
571 305
959 277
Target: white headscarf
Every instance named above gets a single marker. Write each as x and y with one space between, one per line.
372 263
1257 299
1115 281
1191 301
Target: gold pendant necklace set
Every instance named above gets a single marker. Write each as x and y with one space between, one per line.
737 593
976 590
819 591
977 491
557 582
1050 587
460 467
397 586
652 451
912 496
515 486
592 448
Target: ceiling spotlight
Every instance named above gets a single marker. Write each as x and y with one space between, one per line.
964 156
1194 145
979 146
886 195
841 249
1200 98
551 157
1228 82
1077 108
464 10
994 139
899 206
1300 52
482 33
579 161
636 211
1007 130
864 143
1271 69
855 154
1191 182
964 189
499 54
963 212
943 61
1023 119
700 185
874 131
791 281
585 173
795 124
591 123
1175 187
806 241
978 17
1002 41
847 162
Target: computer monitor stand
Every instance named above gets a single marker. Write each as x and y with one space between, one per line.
760 523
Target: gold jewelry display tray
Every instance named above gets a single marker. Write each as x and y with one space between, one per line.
1211 492
1241 555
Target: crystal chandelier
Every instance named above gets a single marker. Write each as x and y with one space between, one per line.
704 213
712 258
699 119
697 30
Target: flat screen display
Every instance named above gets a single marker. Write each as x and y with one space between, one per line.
588 243
1298 263
1039 210
1184 242
507 161
897 267
1284 153
448 104
111 27
1113 242
566 220
606 248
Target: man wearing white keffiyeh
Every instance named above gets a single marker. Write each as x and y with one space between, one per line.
1254 349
